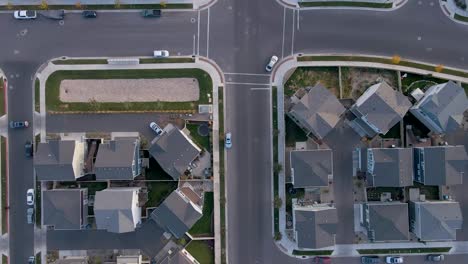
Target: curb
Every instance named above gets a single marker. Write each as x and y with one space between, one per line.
450 13
396 6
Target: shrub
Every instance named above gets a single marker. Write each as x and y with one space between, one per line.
396 59
439 68
44 5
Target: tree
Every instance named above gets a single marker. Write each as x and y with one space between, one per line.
277 202
439 68
44 5
396 59
78 4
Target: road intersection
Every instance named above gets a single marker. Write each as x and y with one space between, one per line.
239 36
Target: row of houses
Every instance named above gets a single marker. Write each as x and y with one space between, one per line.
381 107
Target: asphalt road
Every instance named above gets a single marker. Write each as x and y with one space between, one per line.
240 36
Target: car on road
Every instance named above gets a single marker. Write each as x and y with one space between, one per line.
151 13
271 63
19 124
322 260
370 259
393 259
89 14
30 213
30 197
435 257
25 14
31 260
156 128
160 53
227 140
28 149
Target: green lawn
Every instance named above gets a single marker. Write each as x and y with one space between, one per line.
203 226
347 4
461 18
4 184
4 259
38 258
465 86
373 194
79 61
431 192
37 200
99 7
155 172
158 191
415 81
2 98
404 250
37 98
293 133
313 252
222 199
93 187
203 142
201 251
166 60
53 102
274 111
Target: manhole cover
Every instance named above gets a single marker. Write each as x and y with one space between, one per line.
62 22
193 20
203 130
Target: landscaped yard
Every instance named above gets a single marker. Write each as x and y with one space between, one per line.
404 250
373 194
201 251
414 81
293 133
292 193
155 172
310 76
4 184
158 191
203 227
202 141
53 90
431 192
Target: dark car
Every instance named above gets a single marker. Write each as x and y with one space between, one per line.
89 14
322 260
370 259
28 148
151 13
19 124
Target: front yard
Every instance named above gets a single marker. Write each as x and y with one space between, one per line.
203 251
203 227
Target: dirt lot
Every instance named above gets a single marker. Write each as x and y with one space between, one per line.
357 80
310 76
130 90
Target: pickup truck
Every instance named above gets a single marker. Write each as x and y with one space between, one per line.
151 13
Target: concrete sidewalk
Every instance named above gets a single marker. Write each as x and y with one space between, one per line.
196 3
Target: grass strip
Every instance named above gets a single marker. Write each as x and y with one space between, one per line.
404 250
461 18
4 259
385 61
222 197
79 61
38 258
4 184
37 95
98 7
201 251
346 4
203 226
166 60
53 102
2 97
313 252
37 200
274 102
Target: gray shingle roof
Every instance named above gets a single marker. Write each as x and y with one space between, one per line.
311 168
318 110
444 104
388 221
315 228
54 159
382 106
178 258
113 209
62 208
440 220
176 214
393 167
174 151
114 160
445 165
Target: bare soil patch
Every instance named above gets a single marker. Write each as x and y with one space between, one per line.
357 80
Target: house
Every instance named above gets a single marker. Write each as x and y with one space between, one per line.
311 168
317 112
314 226
117 209
385 221
378 110
387 167
65 208
441 108
181 257
174 151
177 214
435 220
118 160
59 160
440 165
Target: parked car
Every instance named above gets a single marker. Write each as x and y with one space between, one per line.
435 257
30 214
227 140
393 259
25 14
156 128
89 14
160 53
370 259
271 63
19 124
28 149
30 197
151 13
322 260
31 260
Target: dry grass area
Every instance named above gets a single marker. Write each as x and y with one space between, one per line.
130 90
357 80
310 76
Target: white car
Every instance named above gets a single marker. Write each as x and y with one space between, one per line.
272 63
227 140
30 197
156 128
393 259
25 14
160 53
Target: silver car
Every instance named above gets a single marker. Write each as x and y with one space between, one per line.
30 214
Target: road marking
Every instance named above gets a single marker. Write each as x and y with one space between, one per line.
298 20
250 74
208 34
198 34
194 44
419 38
284 29
293 29
261 89
241 83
